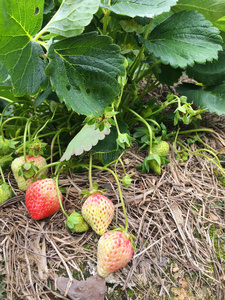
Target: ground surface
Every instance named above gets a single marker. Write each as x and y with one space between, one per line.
178 219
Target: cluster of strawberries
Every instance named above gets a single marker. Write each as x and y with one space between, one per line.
43 199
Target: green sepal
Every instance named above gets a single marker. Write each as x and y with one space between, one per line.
127 180
95 190
124 141
76 224
151 162
187 114
28 170
5 186
36 147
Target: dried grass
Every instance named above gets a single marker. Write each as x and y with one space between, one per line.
172 217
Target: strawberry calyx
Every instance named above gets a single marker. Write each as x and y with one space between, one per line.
94 190
28 170
36 147
126 180
4 186
75 223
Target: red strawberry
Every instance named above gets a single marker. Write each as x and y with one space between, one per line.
115 250
18 162
98 212
41 199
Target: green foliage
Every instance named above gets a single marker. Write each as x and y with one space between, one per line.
88 66
141 8
87 137
71 73
72 17
180 43
212 10
212 98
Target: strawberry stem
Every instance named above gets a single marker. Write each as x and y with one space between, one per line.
47 166
7 120
147 125
58 192
121 196
1 172
90 172
27 128
217 164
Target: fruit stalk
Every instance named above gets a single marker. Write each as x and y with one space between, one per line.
58 193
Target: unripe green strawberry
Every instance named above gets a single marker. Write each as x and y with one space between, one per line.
82 227
41 199
38 161
162 148
114 252
5 192
154 166
98 212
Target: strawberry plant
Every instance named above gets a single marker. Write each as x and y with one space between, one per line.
75 79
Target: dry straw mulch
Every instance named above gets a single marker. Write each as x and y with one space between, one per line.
178 219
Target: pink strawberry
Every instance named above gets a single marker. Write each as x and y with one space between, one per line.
115 250
41 199
18 162
98 212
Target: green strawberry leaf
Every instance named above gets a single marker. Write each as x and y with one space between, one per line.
210 73
72 17
86 138
141 8
83 71
180 43
23 58
212 10
213 99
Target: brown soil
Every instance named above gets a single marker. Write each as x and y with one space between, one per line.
178 219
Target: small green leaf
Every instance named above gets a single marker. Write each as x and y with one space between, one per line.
142 8
131 26
180 43
72 17
86 138
220 24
